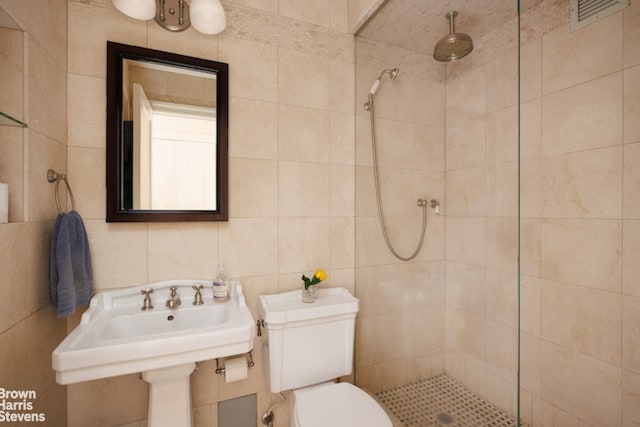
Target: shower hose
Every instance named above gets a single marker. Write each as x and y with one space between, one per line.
421 202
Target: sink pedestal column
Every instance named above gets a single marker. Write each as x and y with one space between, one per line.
169 396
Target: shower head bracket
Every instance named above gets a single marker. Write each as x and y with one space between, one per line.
451 17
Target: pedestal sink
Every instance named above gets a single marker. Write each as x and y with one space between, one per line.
116 337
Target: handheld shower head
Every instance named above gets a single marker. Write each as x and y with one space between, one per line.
393 74
374 86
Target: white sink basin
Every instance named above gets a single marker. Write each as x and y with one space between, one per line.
157 323
116 337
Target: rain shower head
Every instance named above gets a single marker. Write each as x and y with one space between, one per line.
453 46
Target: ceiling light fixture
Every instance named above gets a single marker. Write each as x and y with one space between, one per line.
206 16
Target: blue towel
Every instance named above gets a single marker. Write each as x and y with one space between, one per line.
70 273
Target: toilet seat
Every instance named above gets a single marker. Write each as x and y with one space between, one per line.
337 405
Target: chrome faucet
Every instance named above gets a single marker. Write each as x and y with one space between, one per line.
197 300
174 300
146 305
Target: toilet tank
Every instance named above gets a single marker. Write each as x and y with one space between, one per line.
307 343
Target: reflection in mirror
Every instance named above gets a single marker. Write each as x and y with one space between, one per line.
170 136
172 145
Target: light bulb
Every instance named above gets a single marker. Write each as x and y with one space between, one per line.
137 9
207 16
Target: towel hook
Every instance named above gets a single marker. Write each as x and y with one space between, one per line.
53 176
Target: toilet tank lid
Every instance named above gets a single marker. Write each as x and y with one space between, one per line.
288 306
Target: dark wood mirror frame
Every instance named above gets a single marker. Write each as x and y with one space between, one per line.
116 54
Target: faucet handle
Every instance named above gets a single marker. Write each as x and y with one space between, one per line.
197 300
146 305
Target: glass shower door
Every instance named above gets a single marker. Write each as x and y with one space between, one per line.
438 335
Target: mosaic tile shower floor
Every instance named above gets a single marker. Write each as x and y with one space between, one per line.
442 401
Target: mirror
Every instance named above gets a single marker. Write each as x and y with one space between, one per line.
167 136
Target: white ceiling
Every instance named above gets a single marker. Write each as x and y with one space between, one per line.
418 24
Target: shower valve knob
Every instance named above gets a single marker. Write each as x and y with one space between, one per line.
435 205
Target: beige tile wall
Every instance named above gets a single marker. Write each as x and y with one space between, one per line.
291 178
579 227
33 85
360 10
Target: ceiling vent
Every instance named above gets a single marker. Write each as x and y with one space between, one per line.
585 12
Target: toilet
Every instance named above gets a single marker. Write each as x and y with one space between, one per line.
307 346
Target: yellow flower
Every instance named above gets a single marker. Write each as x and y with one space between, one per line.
320 274
318 277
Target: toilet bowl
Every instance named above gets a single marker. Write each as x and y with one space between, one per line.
336 405
306 347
